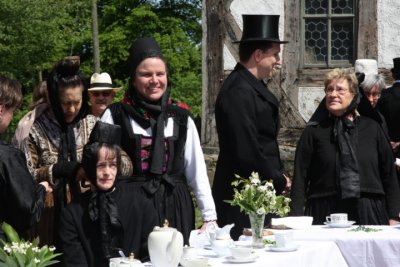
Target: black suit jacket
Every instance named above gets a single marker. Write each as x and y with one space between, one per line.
389 106
247 119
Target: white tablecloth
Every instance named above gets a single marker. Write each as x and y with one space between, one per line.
359 249
309 254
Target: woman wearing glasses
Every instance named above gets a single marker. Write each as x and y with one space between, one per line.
344 162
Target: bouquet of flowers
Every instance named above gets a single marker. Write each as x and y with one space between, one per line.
21 253
255 196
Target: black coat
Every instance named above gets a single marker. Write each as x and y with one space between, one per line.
21 199
315 177
247 119
80 236
389 106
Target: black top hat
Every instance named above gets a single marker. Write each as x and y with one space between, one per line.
396 65
258 28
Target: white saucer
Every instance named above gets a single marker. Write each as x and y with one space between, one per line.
284 249
235 260
340 225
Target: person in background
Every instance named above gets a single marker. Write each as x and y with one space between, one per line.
162 141
389 106
371 87
247 119
343 162
21 200
110 217
54 146
38 106
101 92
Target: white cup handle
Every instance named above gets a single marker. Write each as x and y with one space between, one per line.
328 218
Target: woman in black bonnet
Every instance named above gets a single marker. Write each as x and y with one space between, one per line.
343 162
54 146
109 218
162 141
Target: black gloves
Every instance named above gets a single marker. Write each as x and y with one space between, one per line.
65 169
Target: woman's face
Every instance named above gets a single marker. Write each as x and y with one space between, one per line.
106 169
6 116
151 78
338 96
373 96
71 102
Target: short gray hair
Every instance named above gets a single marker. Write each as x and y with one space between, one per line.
373 80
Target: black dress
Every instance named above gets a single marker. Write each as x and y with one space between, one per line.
21 199
81 242
315 184
169 192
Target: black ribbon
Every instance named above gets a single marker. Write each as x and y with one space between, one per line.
161 187
345 135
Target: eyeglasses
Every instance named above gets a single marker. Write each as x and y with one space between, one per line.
103 93
374 94
339 91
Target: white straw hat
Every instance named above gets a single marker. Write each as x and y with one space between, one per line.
102 81
366 66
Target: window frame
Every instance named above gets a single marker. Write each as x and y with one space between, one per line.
329 18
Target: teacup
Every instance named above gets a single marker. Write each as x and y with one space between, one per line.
337 218
283 239
187 254
197 261
241 252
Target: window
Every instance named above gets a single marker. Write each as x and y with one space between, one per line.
328 30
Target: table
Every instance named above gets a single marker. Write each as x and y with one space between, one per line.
309 254
359 249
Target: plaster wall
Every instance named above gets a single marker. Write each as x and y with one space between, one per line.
239 7
388 32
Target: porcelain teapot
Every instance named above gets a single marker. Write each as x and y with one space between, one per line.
220 238
165 246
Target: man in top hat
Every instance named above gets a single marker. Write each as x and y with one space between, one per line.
389 106
247 119
101 92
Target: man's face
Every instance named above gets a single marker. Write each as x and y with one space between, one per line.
100 100
268 60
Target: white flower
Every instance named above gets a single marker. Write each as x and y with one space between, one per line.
262 188
255 181
52 248
261 211
36 260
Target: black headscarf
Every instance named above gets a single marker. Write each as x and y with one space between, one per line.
345 136
147 113
102 207
66 73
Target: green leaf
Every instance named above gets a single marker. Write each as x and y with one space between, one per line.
10 233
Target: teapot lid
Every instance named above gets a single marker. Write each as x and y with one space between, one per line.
165 227
131 259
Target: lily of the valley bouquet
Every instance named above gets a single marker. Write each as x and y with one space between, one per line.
20 253
255 196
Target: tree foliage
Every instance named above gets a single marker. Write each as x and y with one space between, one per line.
35 34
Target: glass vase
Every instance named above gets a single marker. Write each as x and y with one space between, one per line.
257 227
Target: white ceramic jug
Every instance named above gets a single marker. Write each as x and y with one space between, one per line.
220 238
165 246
